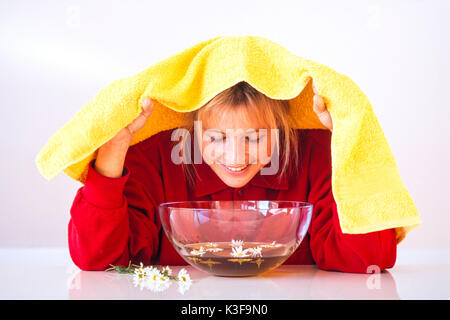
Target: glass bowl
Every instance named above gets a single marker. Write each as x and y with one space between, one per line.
235 238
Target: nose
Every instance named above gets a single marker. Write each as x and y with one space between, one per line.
234 152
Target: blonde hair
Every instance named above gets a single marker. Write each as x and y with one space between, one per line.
273 113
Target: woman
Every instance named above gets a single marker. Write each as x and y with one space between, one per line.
114 216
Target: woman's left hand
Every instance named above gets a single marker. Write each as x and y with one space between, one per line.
321 110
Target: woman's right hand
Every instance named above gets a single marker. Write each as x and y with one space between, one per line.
126 134
111 155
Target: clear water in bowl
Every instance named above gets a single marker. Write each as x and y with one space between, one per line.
237 259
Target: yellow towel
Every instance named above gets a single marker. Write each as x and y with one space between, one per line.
366 184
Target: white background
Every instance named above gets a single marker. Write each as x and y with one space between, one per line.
56 55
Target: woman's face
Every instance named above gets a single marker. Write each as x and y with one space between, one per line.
234 147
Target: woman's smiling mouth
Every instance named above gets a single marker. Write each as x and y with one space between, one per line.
235 170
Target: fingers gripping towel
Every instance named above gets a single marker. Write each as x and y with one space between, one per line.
366 184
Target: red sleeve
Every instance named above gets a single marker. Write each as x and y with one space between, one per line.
332 249
113 220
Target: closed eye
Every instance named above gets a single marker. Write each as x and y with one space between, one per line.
255 139
216 139
251 140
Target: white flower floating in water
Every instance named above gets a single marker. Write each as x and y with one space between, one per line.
153 279
237 243
198 252
238 252
270 245
211 244
254 252
214 249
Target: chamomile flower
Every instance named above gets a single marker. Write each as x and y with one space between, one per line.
166 271
183 276
156 281
162 283
254 252
271 245
238 252
141 275
214 249
276 245
140 272
211 244
198 252
184 281
237 243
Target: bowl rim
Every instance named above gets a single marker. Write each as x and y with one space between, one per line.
168 205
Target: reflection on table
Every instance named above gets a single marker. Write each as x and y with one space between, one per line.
286 282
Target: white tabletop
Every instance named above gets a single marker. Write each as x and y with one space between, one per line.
49 274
